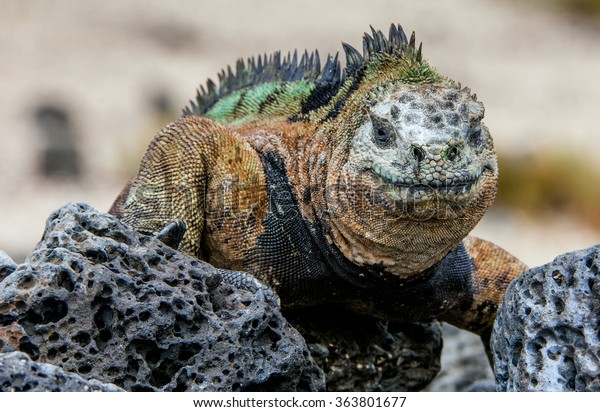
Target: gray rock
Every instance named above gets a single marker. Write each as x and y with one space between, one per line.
359 353
99 299
465 365
7 265
546 335
18 373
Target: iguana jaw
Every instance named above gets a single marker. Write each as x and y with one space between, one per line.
459 189
406 236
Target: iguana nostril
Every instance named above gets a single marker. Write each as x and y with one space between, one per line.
417 152
452 152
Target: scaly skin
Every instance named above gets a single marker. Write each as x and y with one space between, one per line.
356 188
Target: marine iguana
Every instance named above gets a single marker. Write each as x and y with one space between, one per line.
354 186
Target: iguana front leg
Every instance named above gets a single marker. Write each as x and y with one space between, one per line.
206 175
492 270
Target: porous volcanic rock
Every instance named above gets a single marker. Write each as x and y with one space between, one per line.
359 353
546 336
18 373
99 299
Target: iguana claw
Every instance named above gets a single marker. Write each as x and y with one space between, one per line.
172 234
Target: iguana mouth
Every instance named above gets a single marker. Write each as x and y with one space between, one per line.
444 188
416 189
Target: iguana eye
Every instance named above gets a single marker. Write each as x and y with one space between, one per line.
384 135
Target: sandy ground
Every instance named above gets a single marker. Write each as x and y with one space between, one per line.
536 72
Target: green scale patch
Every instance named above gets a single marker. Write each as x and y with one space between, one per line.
269 99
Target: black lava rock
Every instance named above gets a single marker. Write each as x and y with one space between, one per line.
546 336
359 353
99 299
18 373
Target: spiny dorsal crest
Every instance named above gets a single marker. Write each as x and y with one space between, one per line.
262 70
377 43
270 85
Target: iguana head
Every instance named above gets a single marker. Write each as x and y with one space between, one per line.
425 149
414 165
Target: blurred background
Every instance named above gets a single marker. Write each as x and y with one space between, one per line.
85 85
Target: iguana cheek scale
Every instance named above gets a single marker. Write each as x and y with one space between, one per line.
355 186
